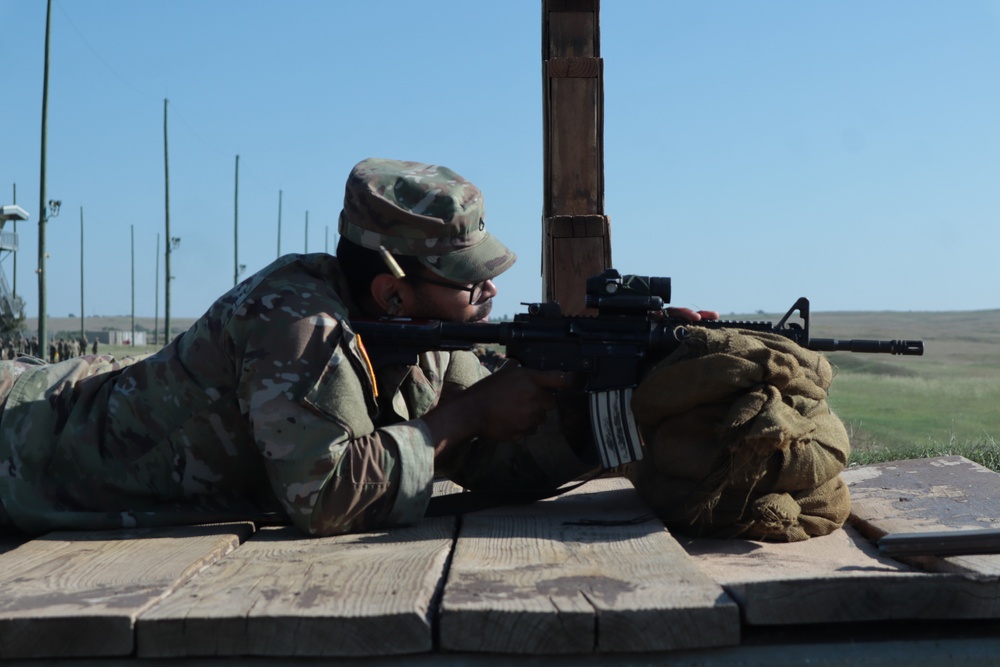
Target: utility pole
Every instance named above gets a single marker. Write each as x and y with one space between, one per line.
170 241
307 231
236 226
279 223
14 268
576 234
42 207
83 327
156 297
132 228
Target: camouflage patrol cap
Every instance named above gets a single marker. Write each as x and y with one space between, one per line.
424 211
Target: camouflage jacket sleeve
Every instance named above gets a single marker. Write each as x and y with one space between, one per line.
264 404
310 399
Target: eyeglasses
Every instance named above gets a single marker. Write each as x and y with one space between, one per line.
475 292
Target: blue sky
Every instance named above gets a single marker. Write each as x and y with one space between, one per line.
755 152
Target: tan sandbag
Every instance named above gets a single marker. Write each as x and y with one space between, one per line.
787 517
740 439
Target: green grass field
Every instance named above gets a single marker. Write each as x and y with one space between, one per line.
945 402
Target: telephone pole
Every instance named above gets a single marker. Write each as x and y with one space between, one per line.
156 297
279 223
83 327
236 226
170 241
42 206
132 228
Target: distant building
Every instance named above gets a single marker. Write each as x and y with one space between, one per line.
120 337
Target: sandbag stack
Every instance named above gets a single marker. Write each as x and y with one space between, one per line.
740 440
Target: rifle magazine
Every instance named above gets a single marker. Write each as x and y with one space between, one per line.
616 434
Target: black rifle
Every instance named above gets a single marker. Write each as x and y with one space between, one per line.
609 352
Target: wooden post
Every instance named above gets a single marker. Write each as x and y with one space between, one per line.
576 238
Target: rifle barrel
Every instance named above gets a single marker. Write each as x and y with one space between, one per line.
903 347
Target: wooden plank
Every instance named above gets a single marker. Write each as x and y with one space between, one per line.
579 247
587 256
281 594
592 570
575 188
575 147
837 578
842 577
942 543
925 495
577 226
571 29
74 594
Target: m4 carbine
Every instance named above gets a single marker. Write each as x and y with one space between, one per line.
608 352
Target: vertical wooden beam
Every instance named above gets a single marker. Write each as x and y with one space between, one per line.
576 239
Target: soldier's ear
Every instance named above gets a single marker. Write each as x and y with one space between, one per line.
385 293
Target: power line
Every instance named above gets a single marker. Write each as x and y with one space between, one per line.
98 55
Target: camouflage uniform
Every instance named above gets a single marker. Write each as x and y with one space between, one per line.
267 405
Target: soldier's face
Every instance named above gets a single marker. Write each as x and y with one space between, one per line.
438 302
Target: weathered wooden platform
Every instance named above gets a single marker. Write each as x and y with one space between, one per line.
588 578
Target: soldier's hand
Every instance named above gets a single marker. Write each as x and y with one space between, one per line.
512 402
506 405
692 315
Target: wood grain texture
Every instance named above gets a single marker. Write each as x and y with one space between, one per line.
78 593
281 594
837 578
571 261
589 571
571 31
842 577
574 188
575 147
925 495
579 248
577 226
573 68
